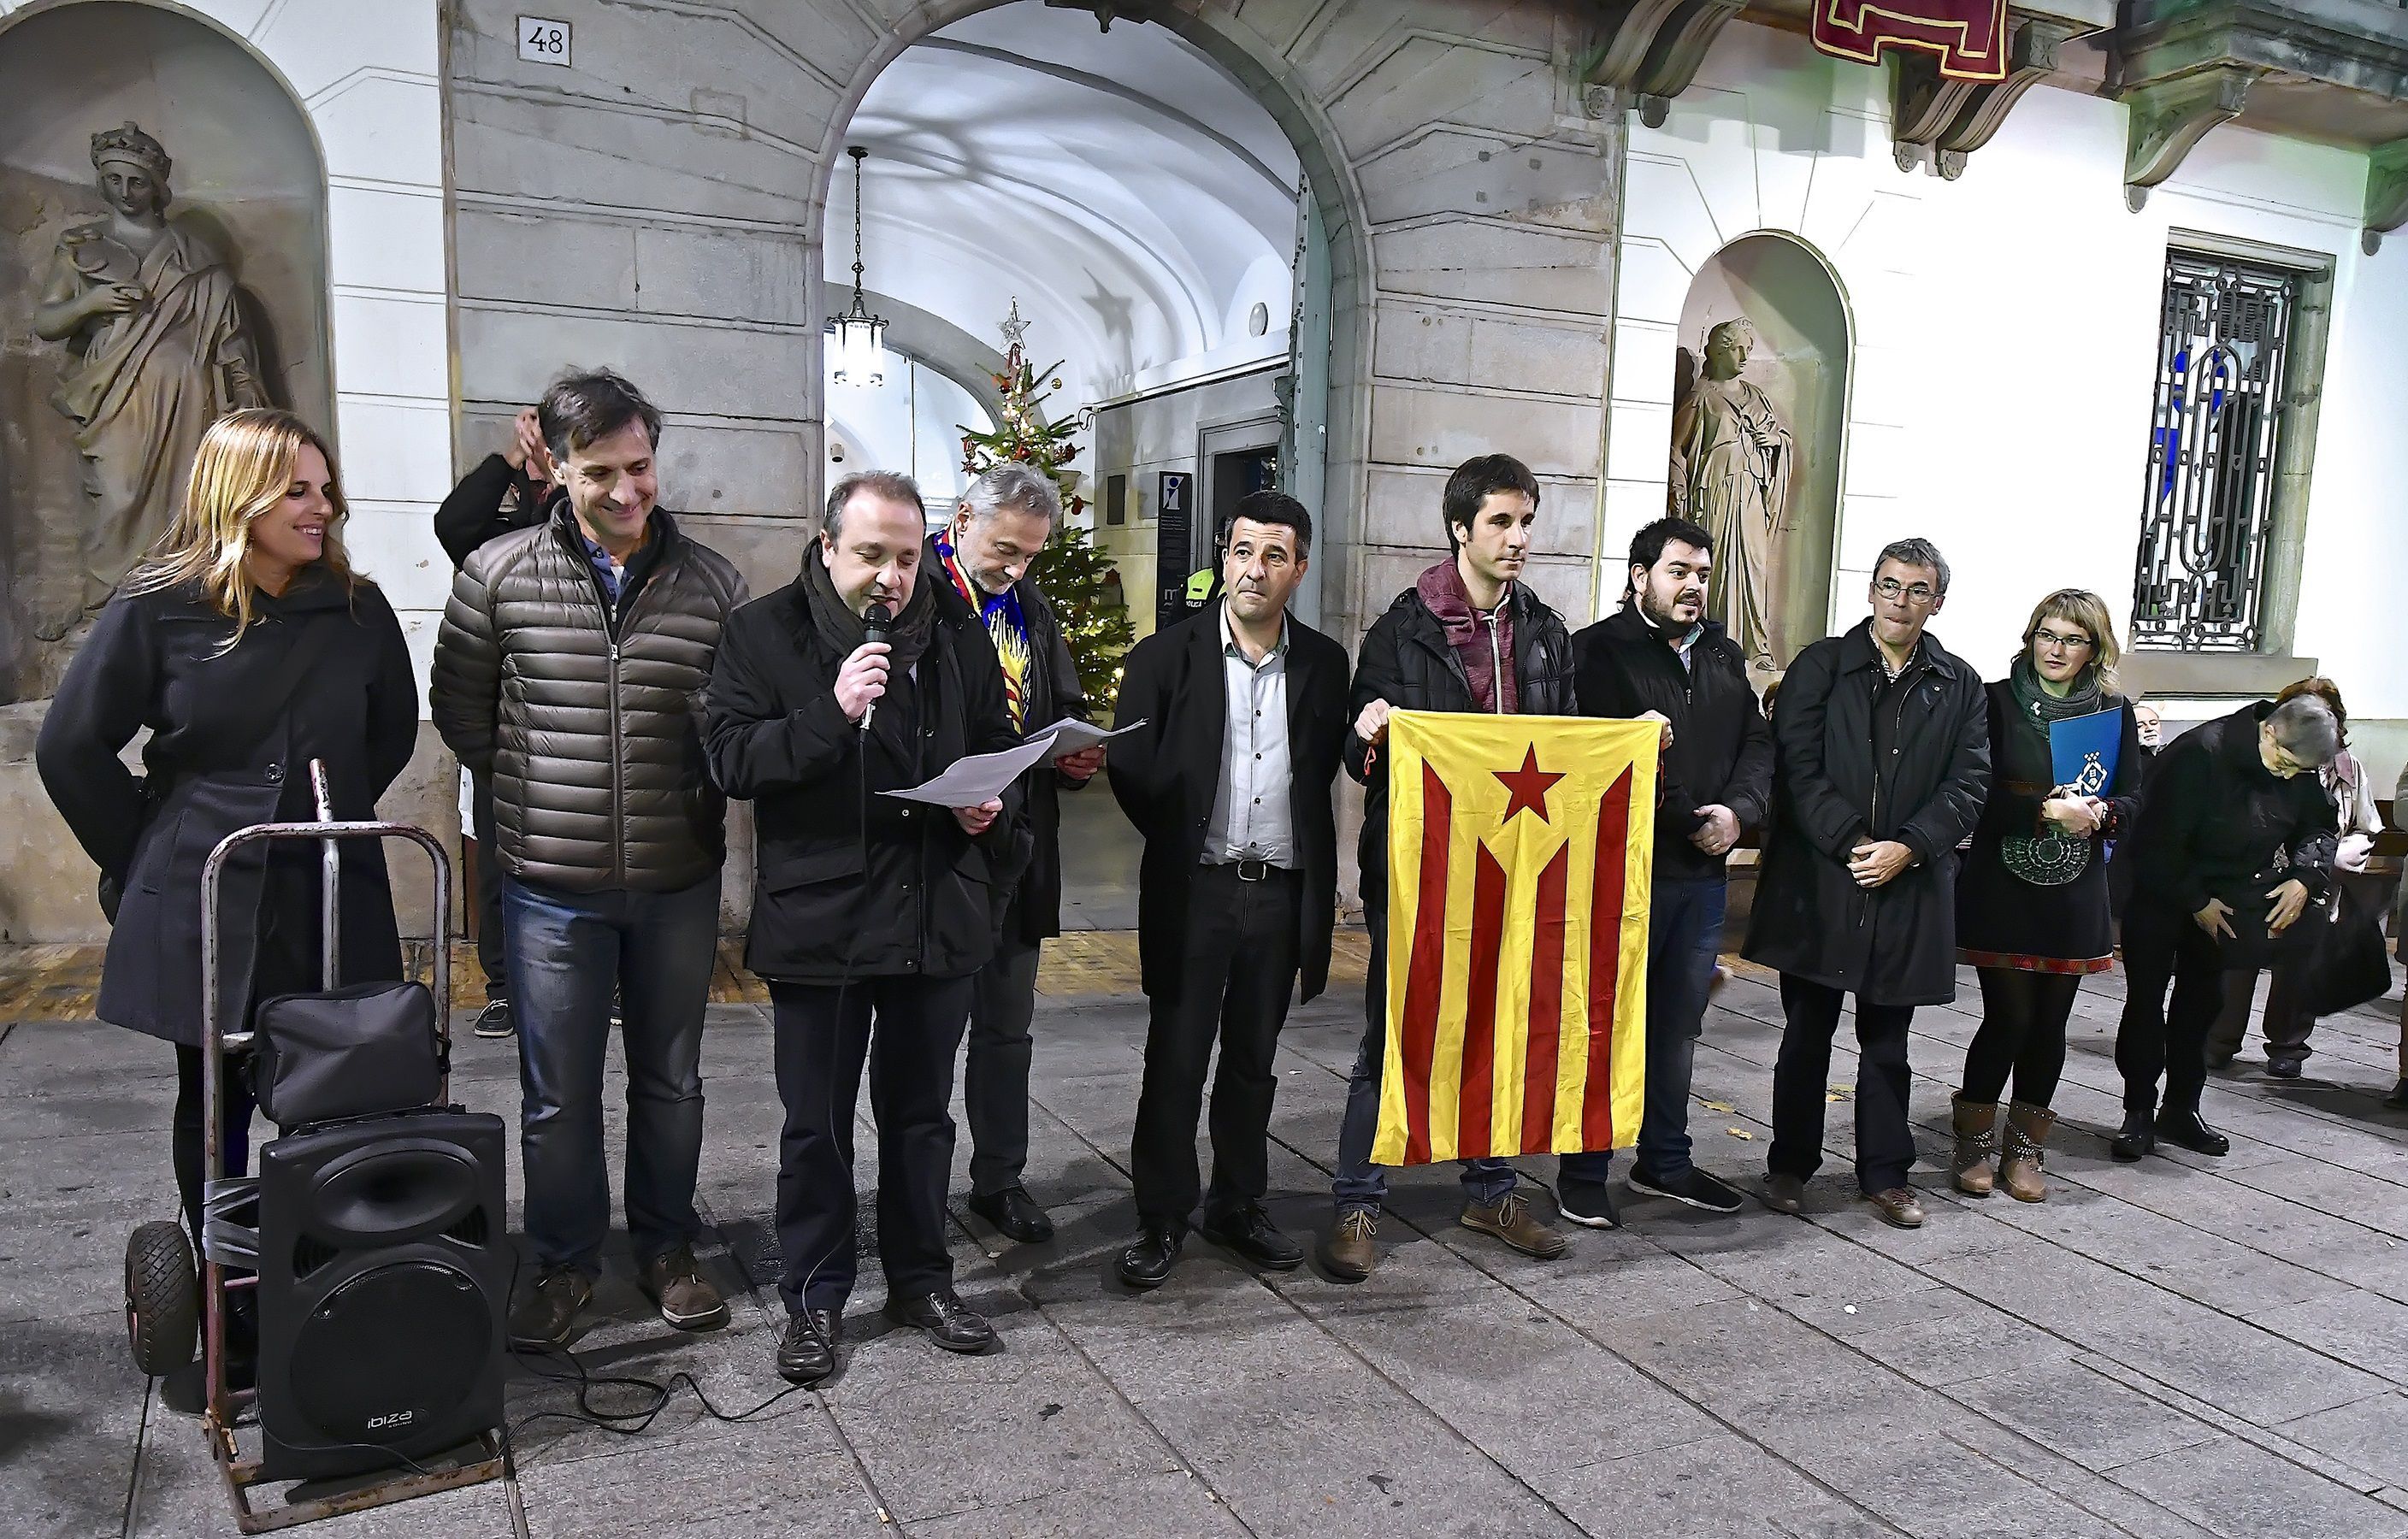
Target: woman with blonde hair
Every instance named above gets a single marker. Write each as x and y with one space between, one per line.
2033 906
248 647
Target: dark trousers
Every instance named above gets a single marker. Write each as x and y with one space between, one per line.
1235 974
185 1140
995 1072
490 931
907 1029
1685 933
2157 1038
2287 1021
2022 1034
1801 1079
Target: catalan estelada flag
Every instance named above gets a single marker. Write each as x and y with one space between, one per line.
1520 849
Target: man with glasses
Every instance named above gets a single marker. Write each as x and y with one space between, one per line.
2234 837
1882 760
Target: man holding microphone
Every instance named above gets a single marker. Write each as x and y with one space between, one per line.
849 681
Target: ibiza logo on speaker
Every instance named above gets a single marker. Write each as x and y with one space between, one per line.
390 1420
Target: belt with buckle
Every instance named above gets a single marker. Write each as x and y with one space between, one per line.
1252 869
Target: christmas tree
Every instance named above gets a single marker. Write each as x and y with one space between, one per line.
1078 579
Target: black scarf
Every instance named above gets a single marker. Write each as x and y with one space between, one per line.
842 630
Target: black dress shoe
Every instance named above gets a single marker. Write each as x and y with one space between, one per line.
1014 1213
1148 1261
2285 1068
806 1352
1249 1233
2185 1129
949 1322
2138 1136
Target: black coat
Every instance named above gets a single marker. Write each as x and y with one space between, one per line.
1895 944
1052 691
1722 748
2217 823
1406 661
1166 776
490 502
1999 912
230 747
924 905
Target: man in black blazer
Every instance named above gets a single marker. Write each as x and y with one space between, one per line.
1245 713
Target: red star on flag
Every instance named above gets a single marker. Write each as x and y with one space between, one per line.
1528 786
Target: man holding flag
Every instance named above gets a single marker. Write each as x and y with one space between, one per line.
1659 656
1881 763
1467 637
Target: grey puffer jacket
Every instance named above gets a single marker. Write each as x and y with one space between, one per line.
589 715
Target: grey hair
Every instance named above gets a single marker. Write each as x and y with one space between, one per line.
893 485
2306 728
1915 552
1021 488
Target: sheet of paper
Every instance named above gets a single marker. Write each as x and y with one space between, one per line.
1071 736
979 777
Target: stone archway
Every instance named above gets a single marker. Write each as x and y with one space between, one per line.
1800 363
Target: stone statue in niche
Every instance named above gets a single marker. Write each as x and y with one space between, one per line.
157 350
1732 460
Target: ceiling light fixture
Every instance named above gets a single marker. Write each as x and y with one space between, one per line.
860 336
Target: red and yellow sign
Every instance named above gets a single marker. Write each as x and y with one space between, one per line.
1520 850
1968 38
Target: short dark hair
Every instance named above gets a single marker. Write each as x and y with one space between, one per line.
1472 483
586 406
1647 545
1271 507
893 485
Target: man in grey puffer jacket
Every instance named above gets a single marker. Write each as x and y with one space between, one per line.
570 668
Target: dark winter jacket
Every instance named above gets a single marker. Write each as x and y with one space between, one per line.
1999 914
1859 759
588 714
1166 775
1052 691
906 893
1722 749
1408 661
491 501
2217 823
231 738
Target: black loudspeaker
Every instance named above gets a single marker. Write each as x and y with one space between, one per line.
384 1271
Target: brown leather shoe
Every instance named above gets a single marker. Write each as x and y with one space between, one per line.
1346 1252
1508 1219
1785 1193
2027 1131
1977 1126
1898 1207
686 1298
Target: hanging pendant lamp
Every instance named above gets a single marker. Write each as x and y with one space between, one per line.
860 336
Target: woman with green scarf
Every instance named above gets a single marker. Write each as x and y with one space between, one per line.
2032 909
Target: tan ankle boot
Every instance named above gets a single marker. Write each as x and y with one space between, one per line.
2028 1129
1977 1140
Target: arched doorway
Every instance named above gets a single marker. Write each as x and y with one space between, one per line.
245 220
1797 366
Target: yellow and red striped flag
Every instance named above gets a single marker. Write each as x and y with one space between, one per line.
1520 850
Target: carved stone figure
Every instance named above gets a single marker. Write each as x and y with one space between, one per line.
157 348
1732 458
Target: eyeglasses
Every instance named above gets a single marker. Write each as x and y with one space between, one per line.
2057 641
1893 590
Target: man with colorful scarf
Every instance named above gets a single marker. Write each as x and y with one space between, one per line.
985 553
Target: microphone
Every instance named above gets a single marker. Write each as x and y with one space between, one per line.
874 622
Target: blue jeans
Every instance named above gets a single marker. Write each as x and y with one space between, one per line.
1359 1183
567 952
1685 931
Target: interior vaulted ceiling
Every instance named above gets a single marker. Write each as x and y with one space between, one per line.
1136 199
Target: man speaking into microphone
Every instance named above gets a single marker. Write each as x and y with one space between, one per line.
871 915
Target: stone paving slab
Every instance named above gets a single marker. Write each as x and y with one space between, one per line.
2182 1347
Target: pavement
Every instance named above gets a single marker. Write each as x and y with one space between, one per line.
2186 1347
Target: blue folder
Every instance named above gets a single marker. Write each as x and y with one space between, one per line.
2083 750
